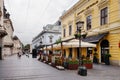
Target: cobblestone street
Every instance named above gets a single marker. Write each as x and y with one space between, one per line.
13 68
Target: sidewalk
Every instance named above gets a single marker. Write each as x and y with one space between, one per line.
13 68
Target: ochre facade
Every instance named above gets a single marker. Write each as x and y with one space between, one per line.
109 43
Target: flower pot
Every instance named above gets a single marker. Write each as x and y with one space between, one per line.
73 66
88 66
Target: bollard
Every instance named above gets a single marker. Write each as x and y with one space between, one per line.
82 70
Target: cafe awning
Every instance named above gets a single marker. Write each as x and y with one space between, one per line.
70 44
75 43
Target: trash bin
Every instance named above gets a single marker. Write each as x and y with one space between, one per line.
82 70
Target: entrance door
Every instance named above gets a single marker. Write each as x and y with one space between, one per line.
104 49
78 53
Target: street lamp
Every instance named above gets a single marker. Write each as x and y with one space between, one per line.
79 26
82 69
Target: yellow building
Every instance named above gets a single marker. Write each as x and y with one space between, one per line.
102 25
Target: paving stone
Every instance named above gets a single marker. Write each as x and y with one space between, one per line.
24 68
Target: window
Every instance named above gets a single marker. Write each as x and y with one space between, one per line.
70 52
64 31
70 30
88 20
104 16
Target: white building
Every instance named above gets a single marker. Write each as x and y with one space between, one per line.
49 35
7 40
2 28
17 45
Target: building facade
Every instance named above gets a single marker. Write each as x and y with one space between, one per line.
101 23
8 40
2 28
48 36
17 47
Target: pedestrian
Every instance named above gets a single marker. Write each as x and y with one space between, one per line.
18 54
40 55
27 54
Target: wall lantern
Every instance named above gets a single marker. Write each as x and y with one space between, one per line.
119 44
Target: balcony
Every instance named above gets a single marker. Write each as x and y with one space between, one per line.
8 44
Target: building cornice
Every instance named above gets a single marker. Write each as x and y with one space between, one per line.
88 8
74 7
43 32
102 3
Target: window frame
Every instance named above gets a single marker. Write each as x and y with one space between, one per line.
70 30
104 16
89 22
64 32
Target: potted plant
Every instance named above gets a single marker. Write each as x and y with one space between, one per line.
57 61
65 63
107 59
73 64
84 35
95 59
88 63
77 35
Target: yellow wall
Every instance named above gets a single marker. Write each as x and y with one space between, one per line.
69 20
84 8
114 47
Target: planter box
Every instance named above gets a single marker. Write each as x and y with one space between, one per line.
53 65
73 66
88 66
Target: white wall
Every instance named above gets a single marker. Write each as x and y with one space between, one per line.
7 40
17 47
48 30
1 6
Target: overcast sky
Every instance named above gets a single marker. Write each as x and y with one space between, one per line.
29 16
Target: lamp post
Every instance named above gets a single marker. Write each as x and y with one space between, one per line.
79 26
82 69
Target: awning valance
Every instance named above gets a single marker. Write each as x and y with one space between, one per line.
75 43
95 38
70 44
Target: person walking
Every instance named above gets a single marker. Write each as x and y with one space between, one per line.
19 55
